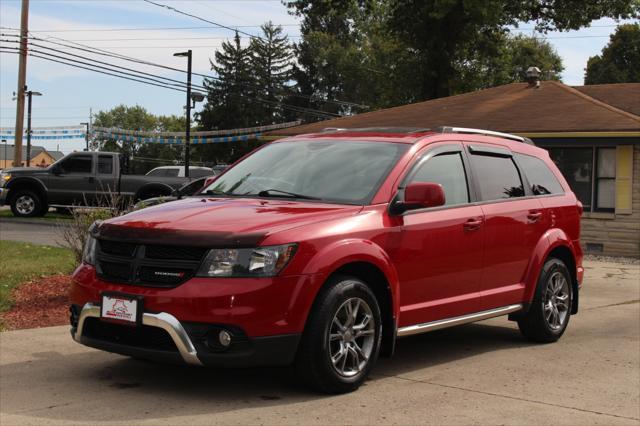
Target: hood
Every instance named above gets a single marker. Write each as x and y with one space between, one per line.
30 171
217 222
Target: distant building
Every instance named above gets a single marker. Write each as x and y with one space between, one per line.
40 157
591 132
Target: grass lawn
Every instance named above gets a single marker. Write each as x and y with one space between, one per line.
20 262
49 216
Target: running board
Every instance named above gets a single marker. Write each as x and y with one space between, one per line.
450 322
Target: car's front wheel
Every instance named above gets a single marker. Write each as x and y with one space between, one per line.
549 314
341 341
25 203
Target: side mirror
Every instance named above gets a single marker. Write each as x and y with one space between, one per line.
423 194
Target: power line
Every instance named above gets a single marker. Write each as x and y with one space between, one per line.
208 27
173 9
95 50
154 82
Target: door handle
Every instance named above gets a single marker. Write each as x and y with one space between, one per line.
534 216
472 224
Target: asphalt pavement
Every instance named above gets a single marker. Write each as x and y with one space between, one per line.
482 373
31 231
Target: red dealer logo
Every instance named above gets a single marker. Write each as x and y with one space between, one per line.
119 310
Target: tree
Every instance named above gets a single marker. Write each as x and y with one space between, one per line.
271 57
619 61
432 48
513 55
138 118
230 102
444 32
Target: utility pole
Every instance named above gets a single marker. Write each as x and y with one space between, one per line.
29 94
22 78
187 144
86 136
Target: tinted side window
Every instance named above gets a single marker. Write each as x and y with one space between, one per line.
200 172
78 164
171 172
156 172
498 177
448 171
541 179
105 165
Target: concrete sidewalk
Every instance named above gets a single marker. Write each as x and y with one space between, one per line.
482 373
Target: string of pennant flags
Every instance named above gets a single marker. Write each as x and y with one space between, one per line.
171 138
47 133
197 137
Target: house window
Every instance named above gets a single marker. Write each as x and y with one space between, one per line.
605 188
591 174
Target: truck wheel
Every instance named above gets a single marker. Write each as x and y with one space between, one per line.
341 341
25 203
550 310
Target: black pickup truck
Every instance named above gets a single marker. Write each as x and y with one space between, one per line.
78 179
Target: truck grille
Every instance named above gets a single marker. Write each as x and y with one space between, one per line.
147 265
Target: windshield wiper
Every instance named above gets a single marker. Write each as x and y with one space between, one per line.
273 192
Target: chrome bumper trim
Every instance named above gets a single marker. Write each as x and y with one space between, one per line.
163 320
450 322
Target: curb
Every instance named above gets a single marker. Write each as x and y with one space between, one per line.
44 222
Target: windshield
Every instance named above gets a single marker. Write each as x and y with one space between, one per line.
332 171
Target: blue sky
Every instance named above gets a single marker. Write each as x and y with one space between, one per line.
70 92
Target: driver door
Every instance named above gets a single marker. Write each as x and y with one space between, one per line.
73 182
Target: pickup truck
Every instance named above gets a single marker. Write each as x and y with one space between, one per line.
79 179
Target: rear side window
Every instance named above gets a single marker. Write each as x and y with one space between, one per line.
105 165
540 177
497 176
448 171
171 172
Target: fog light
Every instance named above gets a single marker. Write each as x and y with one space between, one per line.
224 338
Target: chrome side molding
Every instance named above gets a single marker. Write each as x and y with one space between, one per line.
451 322
163 320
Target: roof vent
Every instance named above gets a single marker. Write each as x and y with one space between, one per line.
533 77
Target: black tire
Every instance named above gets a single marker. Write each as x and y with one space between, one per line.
26 203
538 324
313 361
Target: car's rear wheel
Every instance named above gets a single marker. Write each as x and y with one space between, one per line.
341 341
550 310
25 203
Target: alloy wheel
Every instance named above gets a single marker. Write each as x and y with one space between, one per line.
351 337
25 205
556 301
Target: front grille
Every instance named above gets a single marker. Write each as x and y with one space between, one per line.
117 249
175 252
147 265
144 336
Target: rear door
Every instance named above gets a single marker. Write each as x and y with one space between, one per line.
106 179
439 260
514 222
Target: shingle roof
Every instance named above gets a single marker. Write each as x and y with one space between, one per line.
625 96
35 150
515 108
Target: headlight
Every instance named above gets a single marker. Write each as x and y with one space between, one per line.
254 262
89 252
4 178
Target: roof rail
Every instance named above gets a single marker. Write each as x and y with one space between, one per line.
447 129
385 129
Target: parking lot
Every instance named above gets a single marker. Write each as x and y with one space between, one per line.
483 373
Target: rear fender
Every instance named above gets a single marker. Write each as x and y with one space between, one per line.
552 239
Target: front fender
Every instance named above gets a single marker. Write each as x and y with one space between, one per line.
334 256
550 240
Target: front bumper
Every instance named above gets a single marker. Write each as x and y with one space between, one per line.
189 341
4 196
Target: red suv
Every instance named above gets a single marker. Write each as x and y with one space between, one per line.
321 249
